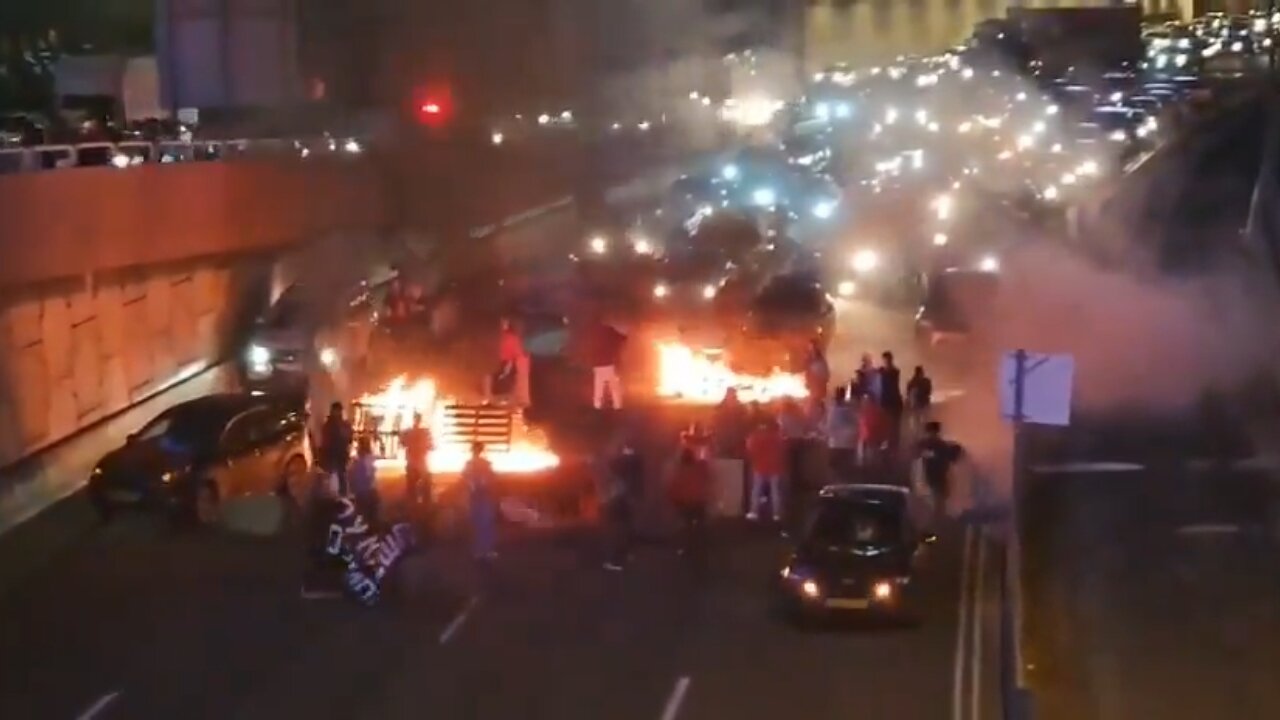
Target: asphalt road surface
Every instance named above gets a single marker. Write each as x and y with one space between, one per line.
139 623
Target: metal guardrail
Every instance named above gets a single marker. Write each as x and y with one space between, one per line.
130 153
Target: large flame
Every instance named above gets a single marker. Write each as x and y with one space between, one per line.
395 405
702 377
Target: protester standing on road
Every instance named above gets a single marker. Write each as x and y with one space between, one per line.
335 445
891 400
364 481
767 453
871 432
791 422
842 433
624 488
689 491
417 443
867 379
919 400
479 479
607 344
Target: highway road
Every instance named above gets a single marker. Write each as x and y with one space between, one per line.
136 623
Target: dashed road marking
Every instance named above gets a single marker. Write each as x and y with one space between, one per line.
458 621
101 704
676 699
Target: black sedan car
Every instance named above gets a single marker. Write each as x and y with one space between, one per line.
858 552
190 458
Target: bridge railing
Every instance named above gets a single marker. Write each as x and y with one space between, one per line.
125 154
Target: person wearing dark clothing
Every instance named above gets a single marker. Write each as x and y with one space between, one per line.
417 443
817 373
363 480
335 445
606 355
624 486
891 399
919 399
937 456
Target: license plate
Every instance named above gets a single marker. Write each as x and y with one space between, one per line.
123 496
848 604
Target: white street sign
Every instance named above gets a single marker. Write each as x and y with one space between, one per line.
1046 387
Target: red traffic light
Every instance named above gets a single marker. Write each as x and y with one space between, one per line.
433 106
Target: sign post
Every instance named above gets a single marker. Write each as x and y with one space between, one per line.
1034 388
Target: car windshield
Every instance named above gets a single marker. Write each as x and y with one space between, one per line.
843 522
185 426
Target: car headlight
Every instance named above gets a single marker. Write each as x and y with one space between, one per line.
598 245
865 261
661 290
823 210
764 197
259 355
882 590
810 589
1088 167
1118 136
989 263
167 476
709 291
328 357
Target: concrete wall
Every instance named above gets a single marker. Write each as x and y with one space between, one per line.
74 353
72 223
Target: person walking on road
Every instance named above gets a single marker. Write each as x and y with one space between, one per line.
689 492
335 445
607 345
919 400
871 432
766 451
867 379
624 486
363 479
479 479
891 400
937 456
418 444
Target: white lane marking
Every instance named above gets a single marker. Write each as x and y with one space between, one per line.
957 679
1210 529
676 698
975 655
456 624
1089 467
93 710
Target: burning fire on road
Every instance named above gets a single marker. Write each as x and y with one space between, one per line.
510 445
701 377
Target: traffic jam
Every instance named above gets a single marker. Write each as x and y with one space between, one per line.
902 187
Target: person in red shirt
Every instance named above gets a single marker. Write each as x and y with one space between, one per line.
766 453
689 491
512 358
